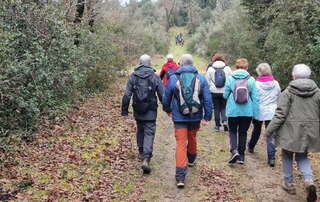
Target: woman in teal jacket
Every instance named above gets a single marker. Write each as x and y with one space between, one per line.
240 115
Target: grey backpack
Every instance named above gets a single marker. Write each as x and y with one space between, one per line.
241 90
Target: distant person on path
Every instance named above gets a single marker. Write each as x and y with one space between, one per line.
242 104
179 39
144 85
217 74
168 69
187 100
296 128
269 92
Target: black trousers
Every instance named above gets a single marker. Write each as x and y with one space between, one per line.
219 105
238 128
145 137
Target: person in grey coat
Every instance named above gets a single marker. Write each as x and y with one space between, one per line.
145 87
296 128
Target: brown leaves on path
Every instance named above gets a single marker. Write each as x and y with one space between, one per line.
220 185
91 156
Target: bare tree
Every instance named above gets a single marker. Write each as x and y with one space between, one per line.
169 6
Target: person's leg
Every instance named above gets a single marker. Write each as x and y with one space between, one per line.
140 136
233 131
233 123
149 133
287 160
223 111
217 109
181 135
244 124
257 125
192 143
271 148
306 171
304 166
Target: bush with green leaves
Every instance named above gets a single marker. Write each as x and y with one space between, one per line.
42 71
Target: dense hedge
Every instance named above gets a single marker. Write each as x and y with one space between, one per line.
42 71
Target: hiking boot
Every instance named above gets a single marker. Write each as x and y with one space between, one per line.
140 156
225 128
311 191
234 157
272 162
146 167
289 188
191 164
180 184
217 128
241 160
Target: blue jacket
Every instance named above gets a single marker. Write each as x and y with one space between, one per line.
170 102
249 109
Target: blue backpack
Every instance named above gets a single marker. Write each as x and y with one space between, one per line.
219 78
188 93
170 72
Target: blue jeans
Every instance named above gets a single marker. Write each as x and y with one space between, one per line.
257 126
303 164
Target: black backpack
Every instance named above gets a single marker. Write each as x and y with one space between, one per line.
144 95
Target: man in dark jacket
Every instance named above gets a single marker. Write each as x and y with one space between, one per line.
187 126
144 84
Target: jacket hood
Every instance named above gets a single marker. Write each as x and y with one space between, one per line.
267 85
303 87
240 74
144 71
184 69
218 65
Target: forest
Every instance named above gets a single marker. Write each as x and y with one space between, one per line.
62 60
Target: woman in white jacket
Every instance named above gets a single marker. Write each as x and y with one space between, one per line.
269 92
217 74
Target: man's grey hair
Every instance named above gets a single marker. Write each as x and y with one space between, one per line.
186 60
301 71
264 69
145 60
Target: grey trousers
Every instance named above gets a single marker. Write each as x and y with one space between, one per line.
145 137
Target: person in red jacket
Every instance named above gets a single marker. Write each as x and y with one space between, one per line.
168 69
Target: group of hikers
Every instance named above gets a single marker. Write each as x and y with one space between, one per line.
291 117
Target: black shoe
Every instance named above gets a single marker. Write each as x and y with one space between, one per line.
234 157
272 163
225 128
250 150
146 167
311 192
191 164
140 156
180 184
241 160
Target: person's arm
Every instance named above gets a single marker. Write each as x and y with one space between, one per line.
280 114
207 101
227 89
168 95
127 97
255 99
160 88
163 72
